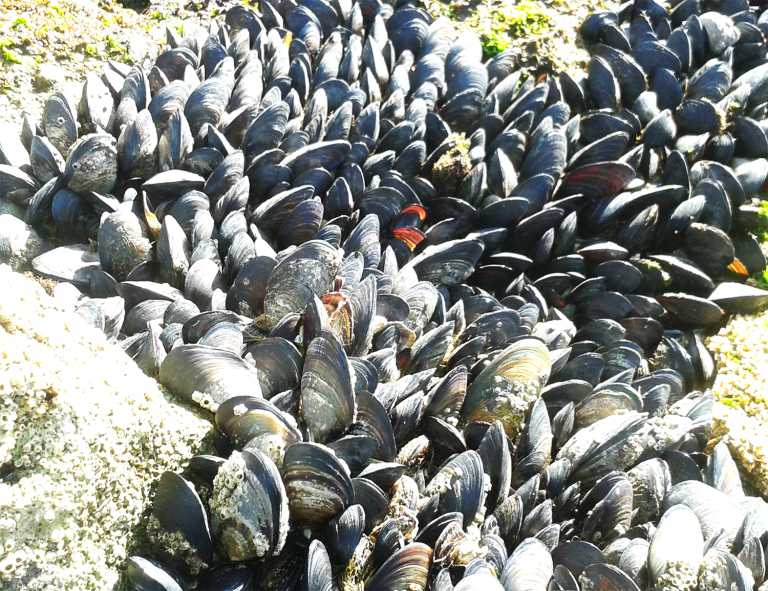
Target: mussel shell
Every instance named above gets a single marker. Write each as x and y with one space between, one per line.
529 567
327 395
208 376
317 483
513 380
147 574
279 365
178 512
249 509
406 568
304 273
252 422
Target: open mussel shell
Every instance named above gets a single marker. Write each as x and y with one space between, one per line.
178 528
508 386
249 506
317 483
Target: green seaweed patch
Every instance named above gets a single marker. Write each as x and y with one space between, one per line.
762 279
500 26
761 232
733 401
740 400
526 18
9 56
494 43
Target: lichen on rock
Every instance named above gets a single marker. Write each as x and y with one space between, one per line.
84 437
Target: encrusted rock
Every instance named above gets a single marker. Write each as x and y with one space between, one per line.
740 350
84 437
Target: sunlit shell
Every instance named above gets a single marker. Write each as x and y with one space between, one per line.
507 388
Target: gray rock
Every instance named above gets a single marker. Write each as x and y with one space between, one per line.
86 435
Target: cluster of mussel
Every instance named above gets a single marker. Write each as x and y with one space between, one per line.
449 316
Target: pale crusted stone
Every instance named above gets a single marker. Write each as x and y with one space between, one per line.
84 436
740 350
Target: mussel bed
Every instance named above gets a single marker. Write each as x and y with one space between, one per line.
447 315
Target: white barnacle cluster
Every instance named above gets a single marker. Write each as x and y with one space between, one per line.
83 436
631 449
228 488
513 398
205 400
661 432
24 392
470 547
272 444
586 584
679 576
173 544
404 493
240 534
713 574
412 454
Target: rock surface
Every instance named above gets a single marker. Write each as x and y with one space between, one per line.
84 437
740 350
